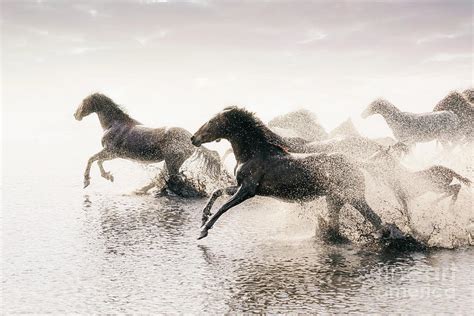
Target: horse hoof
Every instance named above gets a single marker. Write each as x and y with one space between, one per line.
108 176
86 183
204 233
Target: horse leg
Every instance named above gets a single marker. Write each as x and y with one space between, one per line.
172 165
403 200
455 188
448 190
101 155
334 207
206 212
103 173
144 190
156 182
366 211
245 192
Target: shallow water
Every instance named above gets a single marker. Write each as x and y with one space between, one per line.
66 249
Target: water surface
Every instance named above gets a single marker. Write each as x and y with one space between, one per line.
103 250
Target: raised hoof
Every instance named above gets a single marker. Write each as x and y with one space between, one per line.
86 182
204 233
109 176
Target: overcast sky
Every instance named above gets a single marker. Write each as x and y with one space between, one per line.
178 62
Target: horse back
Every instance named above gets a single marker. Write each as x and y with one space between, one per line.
135 142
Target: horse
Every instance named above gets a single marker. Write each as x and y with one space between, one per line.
412 128
345 129
461 105
469 94
409 185
300 123
125 137
266 168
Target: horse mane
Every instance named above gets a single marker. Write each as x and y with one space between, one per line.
112 109
248 121
385 103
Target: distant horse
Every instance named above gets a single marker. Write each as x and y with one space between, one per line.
126 138
345 129
412 128
469 94
267 169
303 123
461 105
409 185
353 147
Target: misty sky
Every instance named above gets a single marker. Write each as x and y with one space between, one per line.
178 62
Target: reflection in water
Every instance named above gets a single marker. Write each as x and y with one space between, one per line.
112 253
125 226
328 281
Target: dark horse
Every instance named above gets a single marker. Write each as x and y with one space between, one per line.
126 138
267 169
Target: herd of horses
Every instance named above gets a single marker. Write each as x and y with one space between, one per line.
293 158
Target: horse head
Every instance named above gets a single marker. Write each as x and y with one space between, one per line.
91 104
376 107
214 129
469 94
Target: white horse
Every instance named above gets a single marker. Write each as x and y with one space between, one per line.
412 128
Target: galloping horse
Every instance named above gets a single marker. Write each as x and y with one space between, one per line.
126 138
345 129
265 168
461 105
409 185
412 128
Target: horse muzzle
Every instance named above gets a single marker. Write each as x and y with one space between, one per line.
77 117
365 114
196 141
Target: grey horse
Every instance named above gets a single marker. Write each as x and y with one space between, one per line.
125 137
461 105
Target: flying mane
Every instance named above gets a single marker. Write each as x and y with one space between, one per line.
257 130
111 109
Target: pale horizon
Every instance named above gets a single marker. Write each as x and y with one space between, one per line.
179 62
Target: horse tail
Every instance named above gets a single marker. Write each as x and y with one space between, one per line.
461 179
212 161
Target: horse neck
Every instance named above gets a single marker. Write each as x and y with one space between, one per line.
105 121
391 114
108 118
247 145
